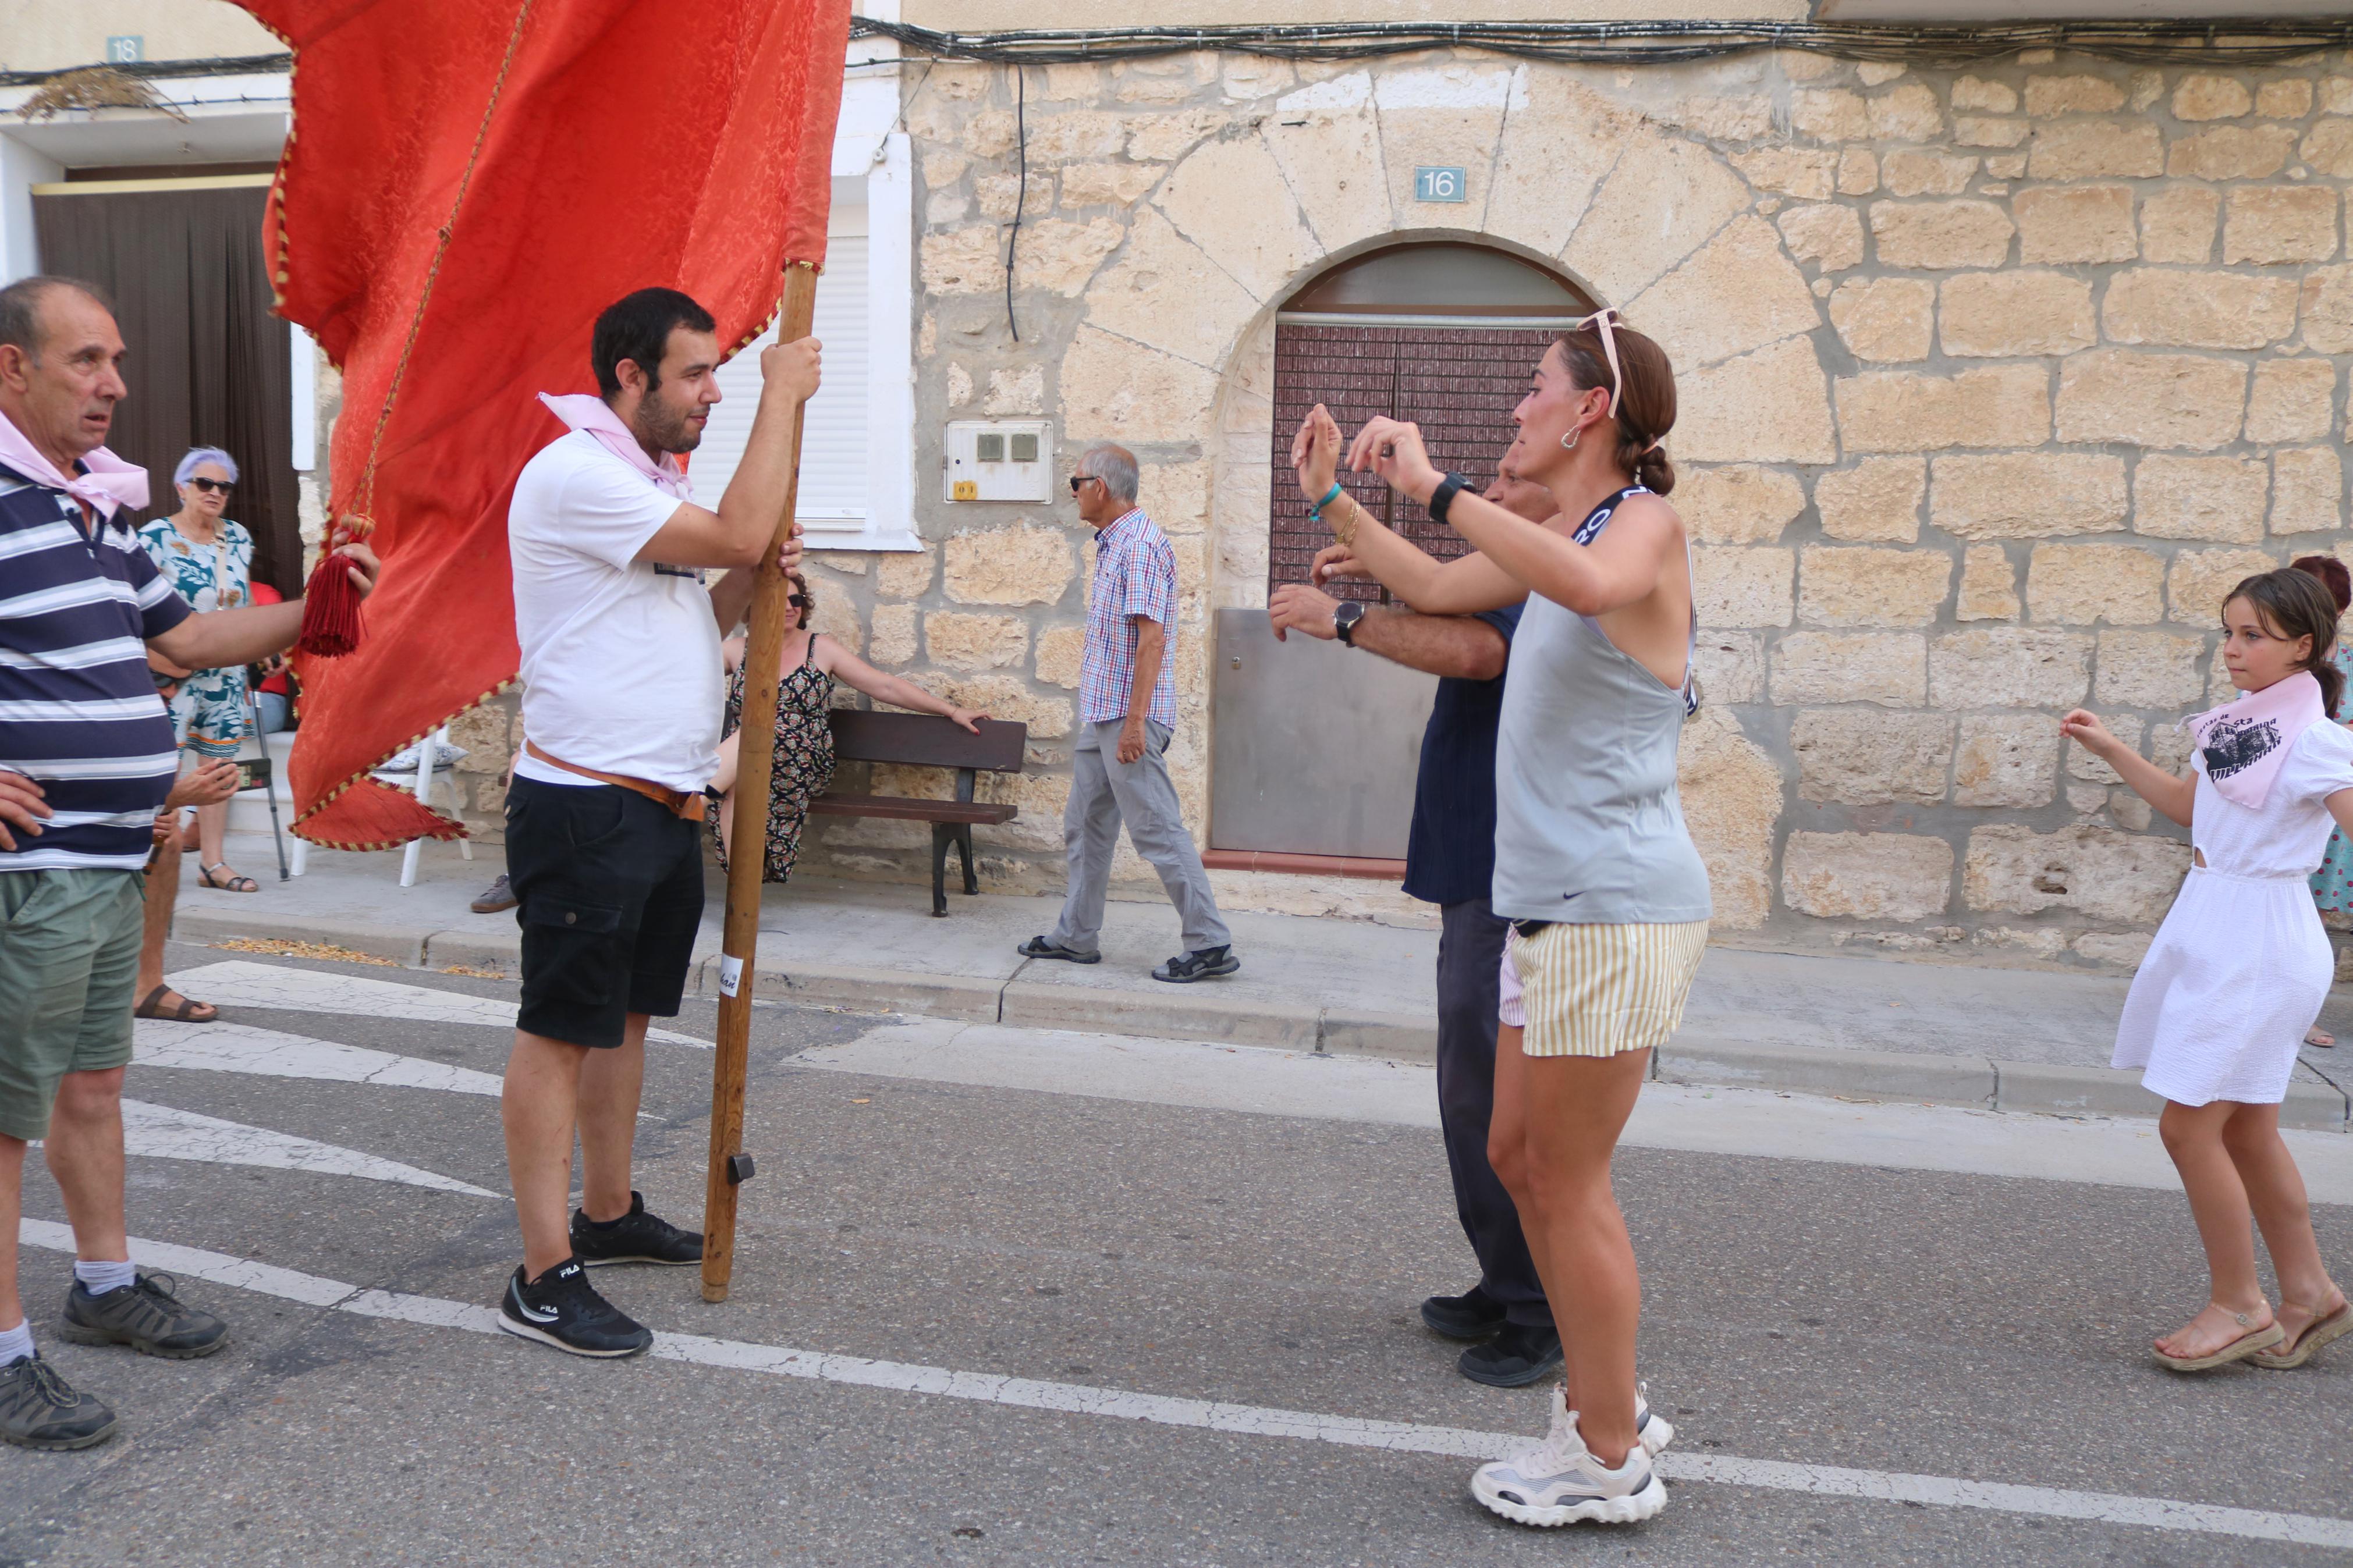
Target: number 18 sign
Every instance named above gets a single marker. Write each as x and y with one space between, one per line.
1435 183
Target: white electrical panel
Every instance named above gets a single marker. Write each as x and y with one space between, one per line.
999 460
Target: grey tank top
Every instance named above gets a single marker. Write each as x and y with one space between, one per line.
1588 828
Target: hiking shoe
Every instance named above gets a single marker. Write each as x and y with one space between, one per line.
146 1316
1041 947
1518 1355
498 896
635 1237
1558 1481
1473 1315
1200 964
563 1310
39 1409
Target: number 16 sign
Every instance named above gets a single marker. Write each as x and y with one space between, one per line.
1435 183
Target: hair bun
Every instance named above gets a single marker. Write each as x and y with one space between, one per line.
2334 575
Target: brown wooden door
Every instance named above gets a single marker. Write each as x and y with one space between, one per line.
1459 383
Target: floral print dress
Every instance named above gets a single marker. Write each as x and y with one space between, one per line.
2332 885
214 576
803 766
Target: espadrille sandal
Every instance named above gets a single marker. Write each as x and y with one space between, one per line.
2245 1345
2317 1333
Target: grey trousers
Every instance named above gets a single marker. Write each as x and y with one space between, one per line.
1106 792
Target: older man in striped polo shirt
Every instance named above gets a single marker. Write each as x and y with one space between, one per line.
1127 711
86 759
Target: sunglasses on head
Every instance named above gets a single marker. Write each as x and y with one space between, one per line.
1078 480
213 487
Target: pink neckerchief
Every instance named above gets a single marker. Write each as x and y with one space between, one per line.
583 412
110 483
2247 741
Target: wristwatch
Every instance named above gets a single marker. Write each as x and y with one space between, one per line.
1345 620
1443 496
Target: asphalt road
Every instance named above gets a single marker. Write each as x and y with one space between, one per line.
1011 1303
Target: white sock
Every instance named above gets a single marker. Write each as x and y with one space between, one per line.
97 1278
16 1342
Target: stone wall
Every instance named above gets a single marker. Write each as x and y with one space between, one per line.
1991 383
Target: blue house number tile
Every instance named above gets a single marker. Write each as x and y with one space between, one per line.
1435 183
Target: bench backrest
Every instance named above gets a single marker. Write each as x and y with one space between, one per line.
926 740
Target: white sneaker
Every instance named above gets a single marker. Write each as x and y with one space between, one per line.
1653 1431
1558 1481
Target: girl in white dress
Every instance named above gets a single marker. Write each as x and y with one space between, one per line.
2240 968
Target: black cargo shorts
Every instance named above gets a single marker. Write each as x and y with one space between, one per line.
609 894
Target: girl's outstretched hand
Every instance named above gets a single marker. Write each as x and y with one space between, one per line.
2083 727
1315 453
1393 449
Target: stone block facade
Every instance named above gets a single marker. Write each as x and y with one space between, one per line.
1992 382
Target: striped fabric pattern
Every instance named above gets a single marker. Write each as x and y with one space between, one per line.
1136 574
1598 989
79 713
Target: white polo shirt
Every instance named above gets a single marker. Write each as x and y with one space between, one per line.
621 666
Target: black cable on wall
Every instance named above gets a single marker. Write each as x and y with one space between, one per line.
2234 40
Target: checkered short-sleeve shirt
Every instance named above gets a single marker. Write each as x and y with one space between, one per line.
1136 574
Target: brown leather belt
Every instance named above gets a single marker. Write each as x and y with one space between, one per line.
689 808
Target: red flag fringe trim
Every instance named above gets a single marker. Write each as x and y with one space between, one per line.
332 625
378 816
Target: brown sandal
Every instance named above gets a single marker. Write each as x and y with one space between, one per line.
187 1012
2317 1333
2245 1345
232 884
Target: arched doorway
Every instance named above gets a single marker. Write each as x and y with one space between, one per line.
1316 745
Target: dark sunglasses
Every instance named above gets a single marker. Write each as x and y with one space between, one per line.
213 487
1078 480
798 601
163 682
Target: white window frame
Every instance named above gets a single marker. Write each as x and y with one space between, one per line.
884 159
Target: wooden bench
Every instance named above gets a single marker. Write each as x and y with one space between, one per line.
926 741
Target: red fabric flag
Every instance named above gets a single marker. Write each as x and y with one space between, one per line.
468 184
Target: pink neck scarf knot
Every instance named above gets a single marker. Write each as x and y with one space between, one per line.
582 411
108 484
2246 743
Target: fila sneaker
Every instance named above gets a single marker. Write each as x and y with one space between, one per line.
561 1309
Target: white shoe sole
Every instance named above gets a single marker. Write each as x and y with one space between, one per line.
1648 1503
655 1262
541 1336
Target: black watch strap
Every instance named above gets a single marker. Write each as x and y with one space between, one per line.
1443 496
1345 620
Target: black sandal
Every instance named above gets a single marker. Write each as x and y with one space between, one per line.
235 884
187 1012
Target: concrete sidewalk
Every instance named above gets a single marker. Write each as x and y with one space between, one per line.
1867 1027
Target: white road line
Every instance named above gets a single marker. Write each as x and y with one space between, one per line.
237 983
222 1046
1394 1437
1750 1123
160 1131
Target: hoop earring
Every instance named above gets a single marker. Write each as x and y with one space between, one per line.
1569 442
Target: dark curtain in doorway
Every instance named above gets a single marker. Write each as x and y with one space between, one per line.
208 365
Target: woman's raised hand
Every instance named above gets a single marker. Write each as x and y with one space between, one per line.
1315 453
1392 448
2083 727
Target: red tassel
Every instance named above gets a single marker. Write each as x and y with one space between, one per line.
331 626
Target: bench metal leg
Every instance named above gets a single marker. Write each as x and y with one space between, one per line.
943 834
963 846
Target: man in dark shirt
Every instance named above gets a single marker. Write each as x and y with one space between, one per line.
1451 862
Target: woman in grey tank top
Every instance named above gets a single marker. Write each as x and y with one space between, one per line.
1593 865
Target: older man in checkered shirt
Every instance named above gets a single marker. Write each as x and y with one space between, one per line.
1127 709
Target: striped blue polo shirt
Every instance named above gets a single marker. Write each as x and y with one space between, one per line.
78 711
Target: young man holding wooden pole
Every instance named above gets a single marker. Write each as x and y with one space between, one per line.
622 701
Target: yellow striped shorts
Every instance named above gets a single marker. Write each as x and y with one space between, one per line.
1598 989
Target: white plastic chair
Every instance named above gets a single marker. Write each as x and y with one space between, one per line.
428 750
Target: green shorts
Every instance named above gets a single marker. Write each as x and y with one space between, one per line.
69 961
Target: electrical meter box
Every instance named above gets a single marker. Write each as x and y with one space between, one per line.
999 460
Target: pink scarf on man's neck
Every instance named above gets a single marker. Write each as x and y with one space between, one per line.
109 483
2246 743
582 411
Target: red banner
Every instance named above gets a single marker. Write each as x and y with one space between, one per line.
467 185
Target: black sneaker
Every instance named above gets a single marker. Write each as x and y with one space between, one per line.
39 1409
1188 967
561 1309
1518 1355
635 1237
1041 947
1473 1315
146 1316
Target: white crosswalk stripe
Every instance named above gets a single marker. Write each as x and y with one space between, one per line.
239 983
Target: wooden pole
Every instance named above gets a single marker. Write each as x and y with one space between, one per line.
740 940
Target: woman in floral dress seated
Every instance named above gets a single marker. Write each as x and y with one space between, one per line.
803 767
